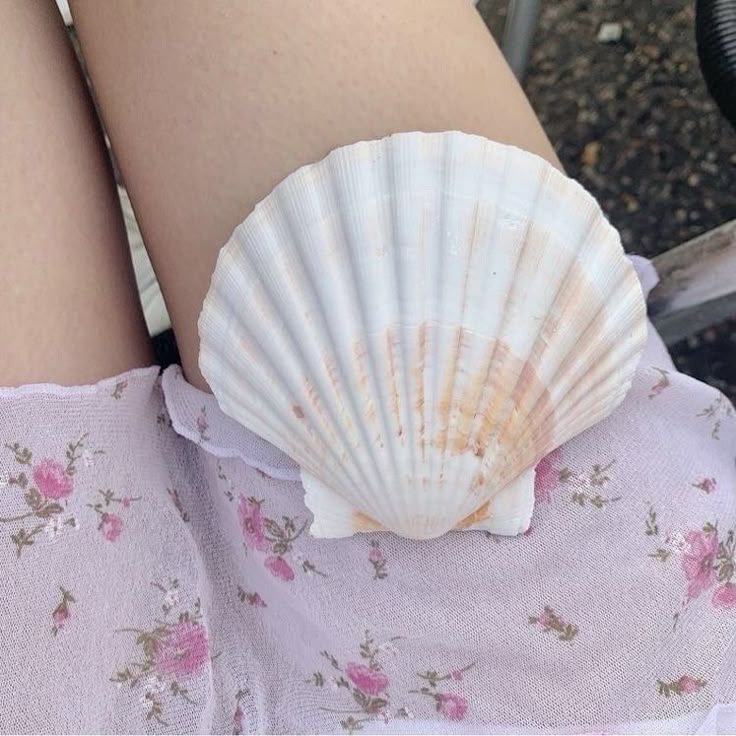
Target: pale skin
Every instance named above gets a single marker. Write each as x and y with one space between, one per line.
207 106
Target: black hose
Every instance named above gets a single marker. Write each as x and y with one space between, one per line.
715 32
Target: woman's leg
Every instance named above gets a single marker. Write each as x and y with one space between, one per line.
209 105
70 312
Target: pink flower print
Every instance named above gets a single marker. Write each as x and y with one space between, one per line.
59 616
707 484
544 619
683 686
111 525
546 476
724 596
239 715
378 561
203 425
550 621
253 599
51 479
61 613
368 681
168 651
279 567
238 721
251 522
661 384
697 561
183 651
689 684
257 601
451 706
365 684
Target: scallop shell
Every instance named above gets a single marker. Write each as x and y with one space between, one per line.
417 320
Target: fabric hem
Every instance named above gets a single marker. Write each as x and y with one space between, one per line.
55 389
185 426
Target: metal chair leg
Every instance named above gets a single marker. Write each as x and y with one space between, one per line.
521 21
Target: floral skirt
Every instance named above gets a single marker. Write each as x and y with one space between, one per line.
157 575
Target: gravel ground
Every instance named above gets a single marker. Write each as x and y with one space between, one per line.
633 121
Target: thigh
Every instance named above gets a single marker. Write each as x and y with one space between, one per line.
209 105
70 312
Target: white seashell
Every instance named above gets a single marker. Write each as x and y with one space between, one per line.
417 321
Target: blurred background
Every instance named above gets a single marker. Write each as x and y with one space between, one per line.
620 93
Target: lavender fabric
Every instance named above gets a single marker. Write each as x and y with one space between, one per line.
157 576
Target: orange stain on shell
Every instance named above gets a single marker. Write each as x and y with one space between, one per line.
480 514
481 406
364 523
393 392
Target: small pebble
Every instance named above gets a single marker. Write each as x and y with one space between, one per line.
710 335
589 157
680 215
631 203
587 116
651 52
610 33
607 93
693 180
